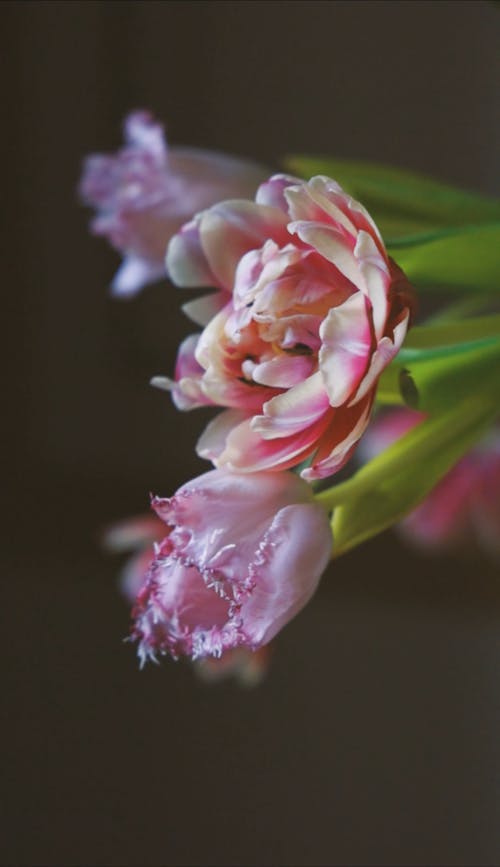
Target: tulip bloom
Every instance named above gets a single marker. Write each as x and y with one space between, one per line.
242 555
138 535
308 313
464 505
145 192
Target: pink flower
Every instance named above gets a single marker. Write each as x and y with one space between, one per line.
309 311
242 555
464 505
145 192
138 535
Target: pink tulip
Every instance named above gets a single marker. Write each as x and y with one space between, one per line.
138 535
242 555
145 192
464 505
309 311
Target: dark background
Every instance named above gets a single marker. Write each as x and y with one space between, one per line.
374 739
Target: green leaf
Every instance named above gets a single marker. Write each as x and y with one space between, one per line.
436 378
401 202
394 482
444 333
463 260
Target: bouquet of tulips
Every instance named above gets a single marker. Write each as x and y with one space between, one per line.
308 341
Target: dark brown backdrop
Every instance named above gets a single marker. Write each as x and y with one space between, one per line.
375 738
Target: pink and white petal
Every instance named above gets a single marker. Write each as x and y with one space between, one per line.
347 343
284 371
313 201
228 391
329 459
363 221
202 310
133 274
187 393
289 413
212 442
375 270
272 192
186 363
386 350
333 245
186 263
212 337
247 452
252 266
230 229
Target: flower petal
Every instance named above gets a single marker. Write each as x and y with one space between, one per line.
230 229
186 262
334 453
347 343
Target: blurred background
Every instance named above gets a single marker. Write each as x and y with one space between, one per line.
374 739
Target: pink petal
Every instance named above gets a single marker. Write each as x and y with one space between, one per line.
186 262
377 279
212 442
247 452
230 229
284 371
272 191
289 413
313 202
339 440
289 571
333 245
386 350
347 343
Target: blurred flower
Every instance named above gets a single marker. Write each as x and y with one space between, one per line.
464 505
136 535
145 192
309 311
247 667
242 556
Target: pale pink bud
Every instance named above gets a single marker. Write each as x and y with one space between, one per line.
146 191
308 313
242 555
464 505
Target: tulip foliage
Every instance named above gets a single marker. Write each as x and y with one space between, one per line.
351 304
